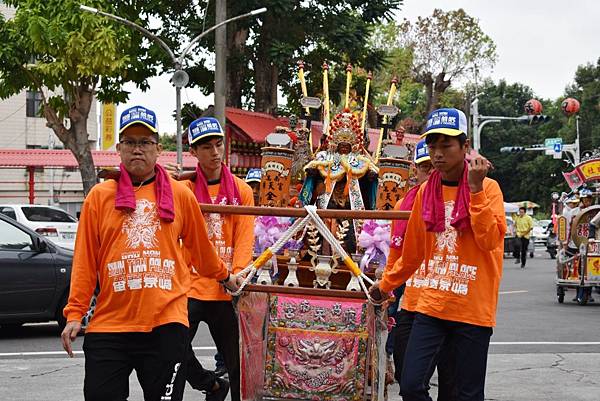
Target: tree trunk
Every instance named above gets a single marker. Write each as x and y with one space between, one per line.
266 72
76 137
237 66
439 87
427 81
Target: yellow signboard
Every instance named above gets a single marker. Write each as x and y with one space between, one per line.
593 268
109 112
590 170
561 230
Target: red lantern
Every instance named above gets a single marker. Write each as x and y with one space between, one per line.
533 107
570 106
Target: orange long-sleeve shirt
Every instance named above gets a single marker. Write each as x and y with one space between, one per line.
464 268
138 260
233 238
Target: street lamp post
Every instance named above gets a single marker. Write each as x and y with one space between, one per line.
180 78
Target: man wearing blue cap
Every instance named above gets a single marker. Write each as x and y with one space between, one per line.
253 178
456 230
233 237
128 241
410 293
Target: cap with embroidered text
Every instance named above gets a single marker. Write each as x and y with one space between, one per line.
451 122
253 175
204 127
421 152
138 115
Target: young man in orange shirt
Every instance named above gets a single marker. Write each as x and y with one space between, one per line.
128 240
410 293
456 229
233 237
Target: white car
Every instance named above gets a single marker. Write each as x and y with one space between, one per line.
54 223
540 232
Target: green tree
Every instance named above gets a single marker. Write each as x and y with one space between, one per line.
262 52
586 89
445 47
72 58
527 175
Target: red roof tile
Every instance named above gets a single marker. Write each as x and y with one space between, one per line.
256 125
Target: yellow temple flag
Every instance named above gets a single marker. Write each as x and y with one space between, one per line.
109 112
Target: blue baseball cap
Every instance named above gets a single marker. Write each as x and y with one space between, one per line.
451 122
253 175
204 127
138 115
421 152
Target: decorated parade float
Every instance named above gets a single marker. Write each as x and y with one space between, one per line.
308 328
579 270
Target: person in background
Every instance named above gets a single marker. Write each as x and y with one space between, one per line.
129 241
233 237
524 227
456 229
253 178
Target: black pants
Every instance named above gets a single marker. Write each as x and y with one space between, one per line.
158 357
523 245
222 323
469 344
444 365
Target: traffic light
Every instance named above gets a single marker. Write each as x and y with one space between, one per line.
533 119
512 149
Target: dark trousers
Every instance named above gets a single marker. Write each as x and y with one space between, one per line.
444 365
222 324
158 357
469 345
523 244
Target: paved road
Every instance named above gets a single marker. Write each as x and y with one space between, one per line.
541 350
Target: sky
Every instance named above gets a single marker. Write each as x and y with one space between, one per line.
539 44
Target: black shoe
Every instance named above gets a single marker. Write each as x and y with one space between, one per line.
219 394
517 261
522 265
575 299
220 371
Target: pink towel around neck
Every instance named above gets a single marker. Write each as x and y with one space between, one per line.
125 198
401 225
228 191
432 207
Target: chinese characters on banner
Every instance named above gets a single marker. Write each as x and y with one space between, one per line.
393 182
108 125
275 182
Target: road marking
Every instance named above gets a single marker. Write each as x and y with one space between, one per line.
51 353
544 342
512 292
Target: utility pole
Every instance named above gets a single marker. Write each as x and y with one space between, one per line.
220 60
180 78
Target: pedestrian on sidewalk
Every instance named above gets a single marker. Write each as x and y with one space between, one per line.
524 227
233 237
406 315
456 229
128 241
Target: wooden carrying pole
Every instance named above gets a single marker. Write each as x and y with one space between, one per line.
320 292
299 212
